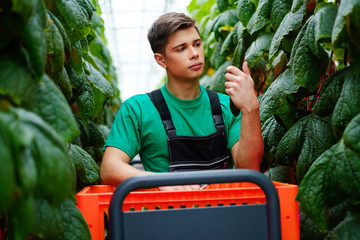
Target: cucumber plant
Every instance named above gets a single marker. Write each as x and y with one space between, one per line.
58 99
304 59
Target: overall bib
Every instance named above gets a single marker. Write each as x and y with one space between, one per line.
190 153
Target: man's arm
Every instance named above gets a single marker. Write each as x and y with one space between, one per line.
248 151
115 167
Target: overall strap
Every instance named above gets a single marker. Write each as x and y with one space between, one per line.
158 100
216 109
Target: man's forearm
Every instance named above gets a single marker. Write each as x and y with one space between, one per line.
250 148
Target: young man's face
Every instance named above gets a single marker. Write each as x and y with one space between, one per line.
184 59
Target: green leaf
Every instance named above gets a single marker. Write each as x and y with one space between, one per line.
305 141
216 58
84 98
316 191
76 23
55 50
32 32
8 151
324 19
21 218
272 132
52 163
332 178
258 48
308 230
351 134
77 58
63 221
101 88
281 174
279 9
245 8
239 53
291 22
52 106
24 7
217 81
339 33
306 65
65 85
225 19
348 105
347 229
15 78
330 92
76 80
279 63
64 36
87 171
228 45
278 90
261 17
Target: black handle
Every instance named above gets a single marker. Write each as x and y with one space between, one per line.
198 177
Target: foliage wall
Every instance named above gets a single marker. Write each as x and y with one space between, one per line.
304 56
58 99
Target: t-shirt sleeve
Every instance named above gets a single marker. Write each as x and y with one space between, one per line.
234 130
124 133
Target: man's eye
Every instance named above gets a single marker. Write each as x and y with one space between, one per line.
180 49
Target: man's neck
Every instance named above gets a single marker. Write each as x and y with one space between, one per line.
184 90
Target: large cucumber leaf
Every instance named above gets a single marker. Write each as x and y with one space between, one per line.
340 34
101 88
76 23
54 169
258 48
305 64
8 151
217 81
32 32
84 97
21 218
291 22
99 50
226 19
261 17
77 58
272 132
16 81
51 105
276 93
62 221
324 19
330 92
24 7
351 134
64 36
76 80
55 51
87 171
332 178
305 141
245 8
348 105
347 229
279 9
65 85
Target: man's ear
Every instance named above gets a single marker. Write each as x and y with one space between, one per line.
160 59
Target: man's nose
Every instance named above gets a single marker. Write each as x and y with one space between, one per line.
194 53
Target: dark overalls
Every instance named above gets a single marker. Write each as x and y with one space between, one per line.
189 153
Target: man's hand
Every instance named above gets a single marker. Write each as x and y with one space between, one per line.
240 87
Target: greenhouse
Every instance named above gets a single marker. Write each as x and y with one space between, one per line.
251 106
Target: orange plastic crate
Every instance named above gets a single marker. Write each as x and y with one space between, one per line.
93 201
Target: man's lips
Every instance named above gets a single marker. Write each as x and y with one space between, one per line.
196 66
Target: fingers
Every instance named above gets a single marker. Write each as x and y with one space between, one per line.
245 68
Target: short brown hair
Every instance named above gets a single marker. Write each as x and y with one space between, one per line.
166 25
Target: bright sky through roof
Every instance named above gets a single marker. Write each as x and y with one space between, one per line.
126 26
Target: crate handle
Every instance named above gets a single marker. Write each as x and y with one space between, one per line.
198 177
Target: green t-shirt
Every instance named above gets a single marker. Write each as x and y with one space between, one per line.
138 127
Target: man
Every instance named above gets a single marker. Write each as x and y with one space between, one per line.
183 126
